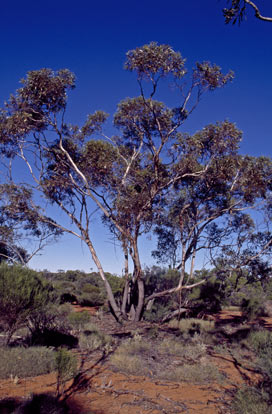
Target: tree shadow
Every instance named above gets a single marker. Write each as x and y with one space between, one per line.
52 337
8 405
45 403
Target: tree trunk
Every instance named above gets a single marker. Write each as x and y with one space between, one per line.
126 288
140 305
114 307
125 300
137 275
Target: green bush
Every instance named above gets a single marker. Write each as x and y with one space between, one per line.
192 326
252 307
50 317
91 296
189 352
26 362
66 367
22 292
92 340
79 319
261 343
156 313
197 374
251 401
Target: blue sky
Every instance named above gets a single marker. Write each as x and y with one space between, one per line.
91 39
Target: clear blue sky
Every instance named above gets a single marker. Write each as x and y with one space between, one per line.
91 39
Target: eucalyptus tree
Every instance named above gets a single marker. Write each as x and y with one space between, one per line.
238 8
224 216
128 176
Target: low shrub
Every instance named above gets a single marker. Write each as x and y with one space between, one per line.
91 296
192 325
129 356
66 367
26 362
22 293
50 318
156 313
261 343
188 352
78 320
130 364
197 374
252 308
251 400
92 340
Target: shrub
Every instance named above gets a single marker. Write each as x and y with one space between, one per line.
91 296
261 343
252 307
192 325
189 352
130 364
26 362
156 313
66 366
129 356
22 292
92 340
51 317
251 401
79 319
198 374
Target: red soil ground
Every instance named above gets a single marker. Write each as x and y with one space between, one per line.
101 391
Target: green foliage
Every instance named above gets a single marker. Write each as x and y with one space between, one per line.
86 289
79 319
92 339
251 400
189 352
207 297
261 342
66 365
197 374
192 326
26 362
22 292
50 317
153 59
157 312
141 357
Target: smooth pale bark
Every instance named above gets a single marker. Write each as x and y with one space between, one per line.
137 277
110 296
126 288
140 305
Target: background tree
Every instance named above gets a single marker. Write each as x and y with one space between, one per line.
220 215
